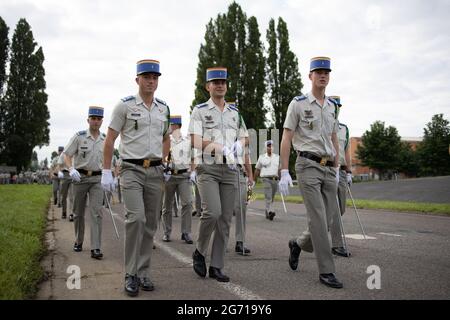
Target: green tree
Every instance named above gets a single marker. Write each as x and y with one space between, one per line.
233 41
433 151
380 148
283 77
4 47
407 160
26 111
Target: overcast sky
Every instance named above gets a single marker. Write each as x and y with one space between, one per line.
390 59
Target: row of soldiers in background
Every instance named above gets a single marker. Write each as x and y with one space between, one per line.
27 177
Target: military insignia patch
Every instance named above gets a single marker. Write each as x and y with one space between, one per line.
309 114
208 118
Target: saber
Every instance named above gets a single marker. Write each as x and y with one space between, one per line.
356 211
284 205
176 204
110 212
341 225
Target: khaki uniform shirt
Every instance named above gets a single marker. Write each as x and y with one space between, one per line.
312 124
343 143
268 165
87 153
141 128
181 152
216 126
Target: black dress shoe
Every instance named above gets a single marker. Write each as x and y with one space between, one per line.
217 274
77 247
55 202
240 249
294 253
199 263
131 285
340 251
71 217
271 215
96 254
146 284
194 213
187 238
330 280
166 238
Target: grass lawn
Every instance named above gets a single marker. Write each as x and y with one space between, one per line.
23 215
403 206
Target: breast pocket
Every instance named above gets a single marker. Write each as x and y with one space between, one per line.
329 121
84 150
136 120
211 131
160 124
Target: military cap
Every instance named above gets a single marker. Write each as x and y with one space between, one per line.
217 73
147 66
95 111
318 63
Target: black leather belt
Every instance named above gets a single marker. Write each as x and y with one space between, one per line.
180 171
89 172
270 178
144 162
322 161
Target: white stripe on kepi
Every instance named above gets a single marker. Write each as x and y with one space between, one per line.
358 236
239 291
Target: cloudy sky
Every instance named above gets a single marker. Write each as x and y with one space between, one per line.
390 59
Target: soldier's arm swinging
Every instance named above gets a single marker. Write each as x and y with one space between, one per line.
108 147
335 141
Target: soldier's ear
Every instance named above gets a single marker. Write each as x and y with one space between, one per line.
137 80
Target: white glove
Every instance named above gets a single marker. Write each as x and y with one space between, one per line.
193 176
285 182
226 151
237 148
107 180
337 176
75 174
349 178
60 175
229 155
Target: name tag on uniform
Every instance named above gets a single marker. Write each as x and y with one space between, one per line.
83 148
209 121
309 114
136 114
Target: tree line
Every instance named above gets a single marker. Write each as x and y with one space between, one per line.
382 149
24 113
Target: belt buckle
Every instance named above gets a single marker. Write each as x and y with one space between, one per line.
146 163
323 161
89 173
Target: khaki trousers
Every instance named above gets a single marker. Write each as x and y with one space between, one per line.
217 185
270 188
141 191
318 187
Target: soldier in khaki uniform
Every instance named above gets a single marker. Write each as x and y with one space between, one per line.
55 177
345 178
85 151
218 130
65 182
268 167
181 167
311 125
142 121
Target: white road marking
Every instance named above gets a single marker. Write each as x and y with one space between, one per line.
359 237
239 291
390 234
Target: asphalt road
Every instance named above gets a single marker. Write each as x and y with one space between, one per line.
435 190
411 250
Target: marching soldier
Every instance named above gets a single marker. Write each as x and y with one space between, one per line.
65 181
142 121
179 183
345 178
218 130
311 124
55 177
268 167
85 151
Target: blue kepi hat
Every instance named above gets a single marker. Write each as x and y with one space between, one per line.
147 66
175 119
95 111
218 73
318 63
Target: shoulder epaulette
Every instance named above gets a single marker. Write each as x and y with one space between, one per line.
333 101
128 98
234 108
202 105
300 98
82 132
162 102
344 125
